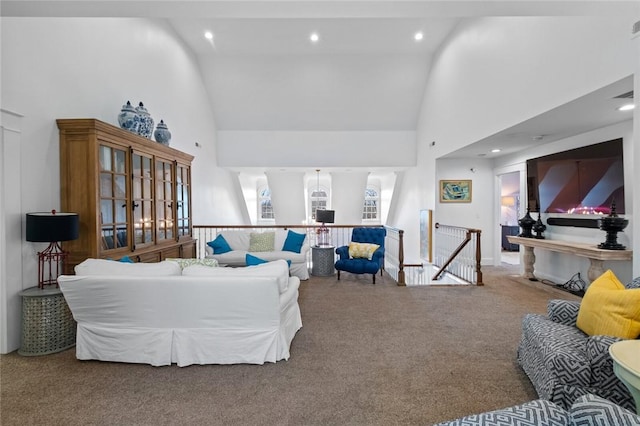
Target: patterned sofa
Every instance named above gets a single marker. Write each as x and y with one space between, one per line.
563 363
588 410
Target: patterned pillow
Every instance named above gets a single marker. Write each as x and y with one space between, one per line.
188 262
592 410
261 241
634 284
362 250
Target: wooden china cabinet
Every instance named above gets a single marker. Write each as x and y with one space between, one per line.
133 195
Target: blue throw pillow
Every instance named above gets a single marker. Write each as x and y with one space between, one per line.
126 259
253 260
219 245
294 242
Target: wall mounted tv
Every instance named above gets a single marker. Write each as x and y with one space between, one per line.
584 180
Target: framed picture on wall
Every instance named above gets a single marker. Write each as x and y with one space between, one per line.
455 191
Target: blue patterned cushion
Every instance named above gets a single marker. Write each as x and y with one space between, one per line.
563 311
634 284
590 410
534 413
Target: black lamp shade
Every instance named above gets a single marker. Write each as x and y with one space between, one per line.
325 216
48 227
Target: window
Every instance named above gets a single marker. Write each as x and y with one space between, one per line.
371 203
318 200
265 209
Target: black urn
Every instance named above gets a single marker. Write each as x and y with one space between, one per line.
539 228
526 223
612 224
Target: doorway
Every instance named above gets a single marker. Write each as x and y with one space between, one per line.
509 208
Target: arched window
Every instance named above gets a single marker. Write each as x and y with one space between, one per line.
319 200
265 209
371 204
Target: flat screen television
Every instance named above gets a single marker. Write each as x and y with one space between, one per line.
584 180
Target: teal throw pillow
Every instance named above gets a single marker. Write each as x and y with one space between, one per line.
219 245
126 259
253 260
294 242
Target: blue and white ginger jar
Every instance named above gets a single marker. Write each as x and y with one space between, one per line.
128 118
162 133
145 121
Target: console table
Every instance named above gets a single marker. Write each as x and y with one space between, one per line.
595 255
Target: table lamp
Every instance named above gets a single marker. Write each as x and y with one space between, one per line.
324 217
51 228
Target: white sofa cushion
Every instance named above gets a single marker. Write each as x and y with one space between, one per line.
92 267
237 239
277 268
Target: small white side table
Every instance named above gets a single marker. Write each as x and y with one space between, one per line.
47 323
626 365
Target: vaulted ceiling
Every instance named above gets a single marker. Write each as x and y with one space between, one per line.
366 71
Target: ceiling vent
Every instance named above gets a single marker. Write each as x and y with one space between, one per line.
628 95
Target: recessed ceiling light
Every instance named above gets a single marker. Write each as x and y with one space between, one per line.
496 150
314 37
418 36
208 35
627 107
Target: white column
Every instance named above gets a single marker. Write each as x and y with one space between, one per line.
347 196
636 152
11 219
287 197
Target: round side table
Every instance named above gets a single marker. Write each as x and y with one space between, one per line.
47 324
626 365
322 260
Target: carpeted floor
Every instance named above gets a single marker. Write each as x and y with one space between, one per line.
366 355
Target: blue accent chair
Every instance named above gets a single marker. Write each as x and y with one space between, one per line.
363 266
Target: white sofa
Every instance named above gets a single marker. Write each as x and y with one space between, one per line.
239 241
159 314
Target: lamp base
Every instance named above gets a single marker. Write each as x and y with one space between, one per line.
50 263
323 236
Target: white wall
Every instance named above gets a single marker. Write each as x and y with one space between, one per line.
559 267
347 196
477 214
75 68
493 73
287 197
316 149
10 230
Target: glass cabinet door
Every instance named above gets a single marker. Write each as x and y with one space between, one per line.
164 200
183 188
142 199
113 198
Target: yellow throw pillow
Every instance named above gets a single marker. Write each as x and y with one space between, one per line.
609 309
362 250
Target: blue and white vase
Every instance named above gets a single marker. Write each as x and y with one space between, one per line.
145 121
128 118
162 133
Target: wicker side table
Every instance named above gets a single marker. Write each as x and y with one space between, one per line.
47 324
322 260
